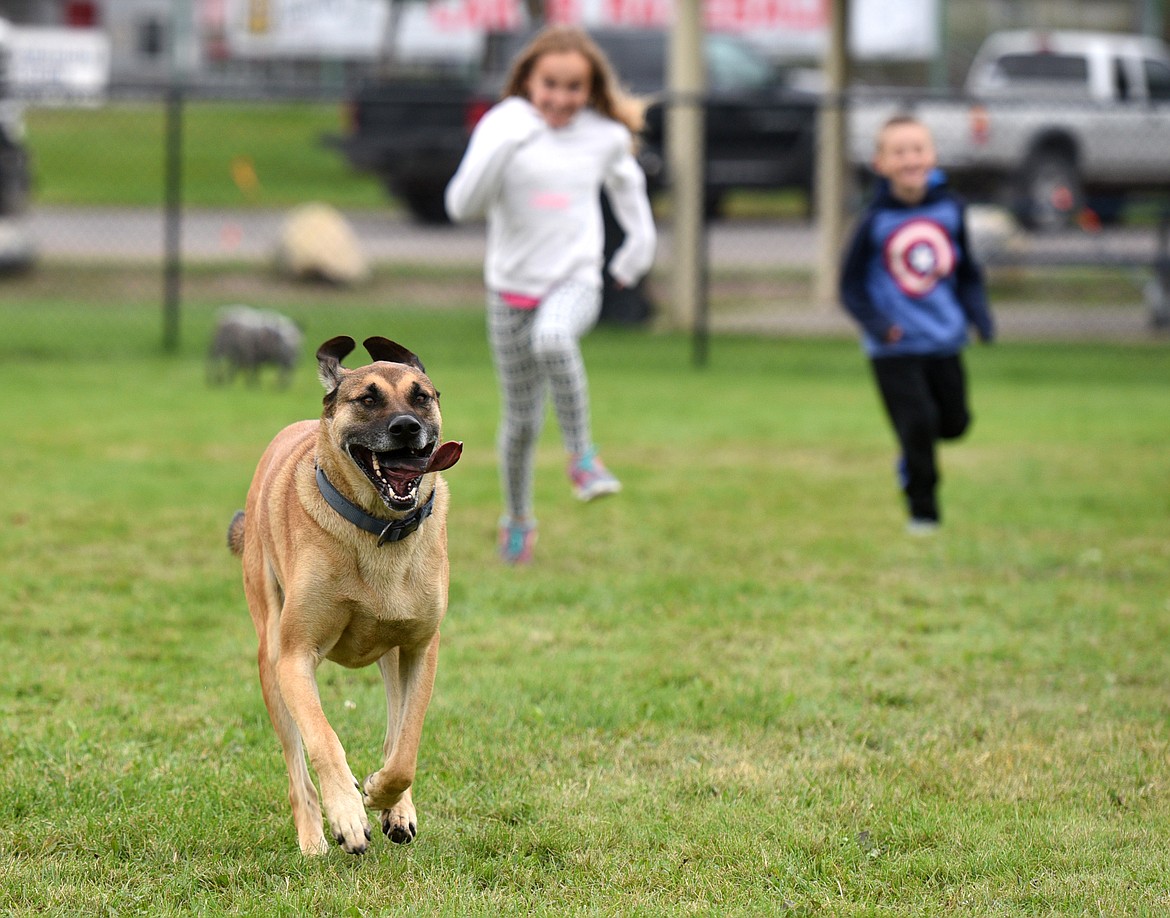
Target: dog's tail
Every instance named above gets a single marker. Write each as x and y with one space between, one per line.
235 534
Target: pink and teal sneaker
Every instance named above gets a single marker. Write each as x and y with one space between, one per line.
590 477
517 541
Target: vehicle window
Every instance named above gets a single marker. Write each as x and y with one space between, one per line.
1065 68
1157 80
1120 80
735 66
640 60
499 50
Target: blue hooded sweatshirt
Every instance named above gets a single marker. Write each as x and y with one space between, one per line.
910 265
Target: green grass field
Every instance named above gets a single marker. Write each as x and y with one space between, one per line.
737 688
235 155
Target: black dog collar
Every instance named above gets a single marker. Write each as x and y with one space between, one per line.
393 531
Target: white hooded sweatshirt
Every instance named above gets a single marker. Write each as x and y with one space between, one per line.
539 188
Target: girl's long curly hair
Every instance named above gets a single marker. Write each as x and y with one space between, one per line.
606 94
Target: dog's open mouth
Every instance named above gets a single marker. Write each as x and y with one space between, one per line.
395 473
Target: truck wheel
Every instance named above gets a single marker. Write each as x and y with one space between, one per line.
1050 194
14 179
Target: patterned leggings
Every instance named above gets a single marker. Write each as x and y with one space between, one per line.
534 350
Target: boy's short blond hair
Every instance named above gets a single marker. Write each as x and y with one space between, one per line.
901 119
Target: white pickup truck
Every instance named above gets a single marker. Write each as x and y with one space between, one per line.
1046 121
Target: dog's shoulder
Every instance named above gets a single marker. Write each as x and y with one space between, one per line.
298 431
278 468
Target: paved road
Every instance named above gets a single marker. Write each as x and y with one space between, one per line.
246 235
125 234
252 235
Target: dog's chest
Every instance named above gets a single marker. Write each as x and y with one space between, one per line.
368 639
379 620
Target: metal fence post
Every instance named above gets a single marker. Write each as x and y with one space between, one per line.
172 261
183 56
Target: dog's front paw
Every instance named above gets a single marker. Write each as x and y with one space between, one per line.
348 822
399 820
353 842
400 827
354 837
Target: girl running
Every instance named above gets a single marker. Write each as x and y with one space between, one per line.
535 166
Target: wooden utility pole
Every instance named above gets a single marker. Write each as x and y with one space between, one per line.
832 169
686 154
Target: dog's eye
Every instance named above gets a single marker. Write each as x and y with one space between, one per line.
422 399
369 397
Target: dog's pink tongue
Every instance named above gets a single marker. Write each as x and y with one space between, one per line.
445 456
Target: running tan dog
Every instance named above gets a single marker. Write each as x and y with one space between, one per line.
344 545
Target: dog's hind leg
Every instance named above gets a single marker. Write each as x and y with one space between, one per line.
409 677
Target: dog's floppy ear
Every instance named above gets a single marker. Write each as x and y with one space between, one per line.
329 357
392 352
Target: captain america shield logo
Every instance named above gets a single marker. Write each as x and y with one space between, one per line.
919 254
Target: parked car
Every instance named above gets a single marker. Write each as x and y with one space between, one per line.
1046 122
16 250
760 129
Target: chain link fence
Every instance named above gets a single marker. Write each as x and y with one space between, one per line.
154 274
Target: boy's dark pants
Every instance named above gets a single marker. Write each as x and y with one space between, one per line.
926 400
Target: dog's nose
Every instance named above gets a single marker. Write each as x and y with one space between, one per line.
405 427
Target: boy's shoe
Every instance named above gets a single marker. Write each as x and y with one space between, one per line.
902 472
921 526
517 541
590 477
